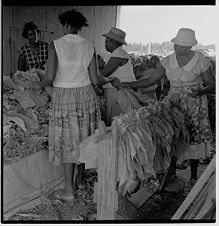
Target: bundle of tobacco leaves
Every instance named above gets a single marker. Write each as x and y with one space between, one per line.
25 116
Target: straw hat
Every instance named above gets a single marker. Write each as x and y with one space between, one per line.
117 35
185 37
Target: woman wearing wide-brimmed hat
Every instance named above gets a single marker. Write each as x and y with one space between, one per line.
187 70
117 64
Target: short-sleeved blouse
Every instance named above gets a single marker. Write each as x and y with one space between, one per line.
35 60
188 75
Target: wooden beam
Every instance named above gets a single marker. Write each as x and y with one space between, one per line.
196 189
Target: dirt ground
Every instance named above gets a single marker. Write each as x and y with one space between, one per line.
162 206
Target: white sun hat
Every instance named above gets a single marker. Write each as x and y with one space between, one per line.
185 37
116 34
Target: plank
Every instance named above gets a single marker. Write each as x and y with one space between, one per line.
196 189
107 196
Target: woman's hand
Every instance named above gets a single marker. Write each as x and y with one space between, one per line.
116 83
36 86
195 92
109 79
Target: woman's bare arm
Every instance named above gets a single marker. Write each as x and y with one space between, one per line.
95 77
21 63
51 67
155 76
113 65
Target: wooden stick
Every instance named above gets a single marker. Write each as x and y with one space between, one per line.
11 57
196 189
115 175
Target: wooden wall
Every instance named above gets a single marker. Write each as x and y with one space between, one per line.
100 20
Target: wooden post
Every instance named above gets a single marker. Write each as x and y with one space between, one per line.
11 55
107 196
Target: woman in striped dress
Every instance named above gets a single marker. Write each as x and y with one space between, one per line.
74 109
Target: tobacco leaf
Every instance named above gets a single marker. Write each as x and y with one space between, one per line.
19 121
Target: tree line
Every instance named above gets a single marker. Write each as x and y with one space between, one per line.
164 48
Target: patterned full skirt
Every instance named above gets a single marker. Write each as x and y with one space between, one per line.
73 117
195 111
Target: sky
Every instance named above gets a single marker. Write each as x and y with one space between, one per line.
144 24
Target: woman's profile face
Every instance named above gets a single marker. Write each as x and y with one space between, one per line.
181 50
108 42
31 36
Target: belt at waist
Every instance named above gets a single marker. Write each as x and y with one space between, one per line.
181 84
70 85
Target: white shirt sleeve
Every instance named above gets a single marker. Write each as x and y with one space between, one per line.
119 52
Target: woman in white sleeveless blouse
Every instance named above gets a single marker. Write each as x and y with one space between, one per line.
75 112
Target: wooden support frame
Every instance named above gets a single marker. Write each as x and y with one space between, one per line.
196 189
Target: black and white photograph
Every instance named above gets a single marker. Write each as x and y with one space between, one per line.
108 113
